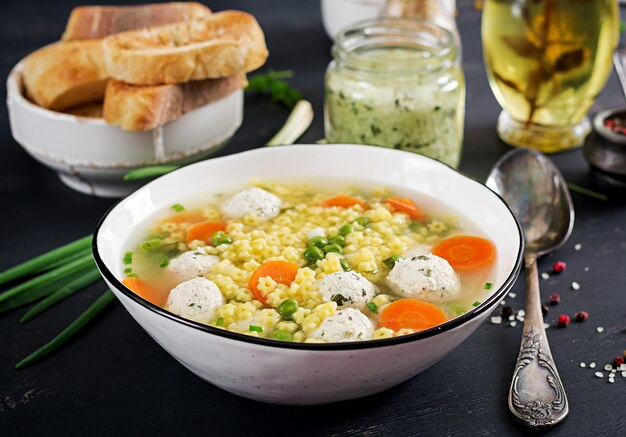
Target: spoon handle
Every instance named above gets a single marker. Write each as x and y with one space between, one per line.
536 396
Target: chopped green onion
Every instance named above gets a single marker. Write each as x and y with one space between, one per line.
128 258
372 307
128 270
415 226
287 308
164 263
282 335
219 238
475 304
219 321
61 294
337 239
488 286
178 207
96 308
148 246
363 221
345 230
335 248
345 265
132 275
313 254
253 328
46 261
392 260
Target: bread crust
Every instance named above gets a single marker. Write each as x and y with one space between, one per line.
140 108
65 74
87 22
88 110
224 44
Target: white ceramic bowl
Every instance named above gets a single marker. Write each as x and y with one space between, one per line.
297 373
92 157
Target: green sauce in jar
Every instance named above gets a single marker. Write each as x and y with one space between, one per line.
397 83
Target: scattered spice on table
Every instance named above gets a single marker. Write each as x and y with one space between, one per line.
563 321
581 316
555 299
559 267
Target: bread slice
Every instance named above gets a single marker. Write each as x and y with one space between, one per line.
89 110
140 107
99 21
65 74
224 44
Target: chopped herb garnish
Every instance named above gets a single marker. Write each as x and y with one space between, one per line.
345 265
254 328
132 275
178 207
475 304
220 238
150 245
219 321
421 258
164 263
128 270
392 260
372 307
339 299
415 226
429 273
128 258
488 286
272 83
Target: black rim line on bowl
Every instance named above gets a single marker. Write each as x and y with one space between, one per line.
451 324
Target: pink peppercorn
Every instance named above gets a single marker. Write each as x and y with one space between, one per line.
618 361
558 267
563 321
581 316
555 299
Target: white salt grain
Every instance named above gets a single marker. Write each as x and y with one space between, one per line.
511 318
512 295
586 269
578 246
599 374
592 365
600 329
575 286
546 325
624 374
608 367
611 380
545 275
503 302
622 367
513 324
496 320
521 313
583 365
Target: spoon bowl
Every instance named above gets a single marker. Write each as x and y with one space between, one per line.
537 194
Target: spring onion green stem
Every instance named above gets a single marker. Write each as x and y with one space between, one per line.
44 261
96 308
43 290
61 294
47 277
63 261
587 192
297 123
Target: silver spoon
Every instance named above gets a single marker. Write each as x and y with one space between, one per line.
537 193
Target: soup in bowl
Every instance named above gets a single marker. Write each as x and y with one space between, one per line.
337 272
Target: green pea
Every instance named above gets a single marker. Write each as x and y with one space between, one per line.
282 335
333 248
345 230
372 307
345 265
221 238
337 239
313 254
318 242
392 260
363 221
287 308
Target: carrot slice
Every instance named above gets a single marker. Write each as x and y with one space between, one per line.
186 217
411 313
144 290
204 231
343 202
405 205
466 253
282 272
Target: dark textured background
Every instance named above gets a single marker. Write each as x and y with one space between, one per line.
114 380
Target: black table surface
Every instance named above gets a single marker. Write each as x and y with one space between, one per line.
113 379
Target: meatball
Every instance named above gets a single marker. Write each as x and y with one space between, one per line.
195 299
252 201
345 325
425 277
348 289
191 264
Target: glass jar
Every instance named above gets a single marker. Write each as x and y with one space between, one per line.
396 82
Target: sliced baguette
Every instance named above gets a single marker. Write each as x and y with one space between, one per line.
99 21
65 74
224 44
140 108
